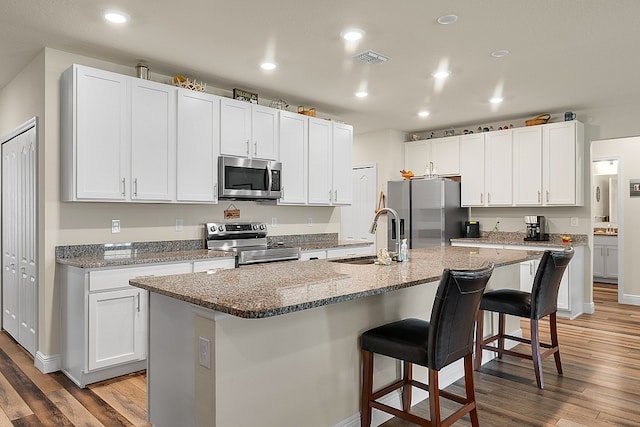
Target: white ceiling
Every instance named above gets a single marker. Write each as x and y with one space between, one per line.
565 55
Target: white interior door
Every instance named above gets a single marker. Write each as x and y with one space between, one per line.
356 218
19 252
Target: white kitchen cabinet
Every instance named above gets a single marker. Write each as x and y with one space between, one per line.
294 144
498 168
342 147
214 264
605 258
315 254
562 167
104 320
320 157
95 132
198 146
248 130
472 170
445 155
153 141
351 251
417 155
527 166
527 275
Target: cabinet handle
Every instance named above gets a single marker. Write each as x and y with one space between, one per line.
482 198
335 198
282 192
255 148
547 196
135 187
138 302
330 194
124 186
539 196
248 147
607 251
215 192
488 197
531 269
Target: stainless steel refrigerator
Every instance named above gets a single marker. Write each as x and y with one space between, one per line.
429 211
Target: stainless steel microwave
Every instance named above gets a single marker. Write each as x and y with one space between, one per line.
248 179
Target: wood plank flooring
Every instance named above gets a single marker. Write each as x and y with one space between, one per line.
600 385
601 382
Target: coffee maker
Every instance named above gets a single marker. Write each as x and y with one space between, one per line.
536 228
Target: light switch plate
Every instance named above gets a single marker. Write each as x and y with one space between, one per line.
574 221
204 352
179 224
115 226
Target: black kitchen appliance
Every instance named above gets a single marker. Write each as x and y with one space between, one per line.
536 228
248 240
472 229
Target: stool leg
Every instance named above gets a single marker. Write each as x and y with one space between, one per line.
535 352
367 388
479 338
500 335
406 388
434 398
469 388
554 341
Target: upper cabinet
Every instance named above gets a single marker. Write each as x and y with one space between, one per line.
532 166
248 130
342 148
294 143
320 156
440 155
198 146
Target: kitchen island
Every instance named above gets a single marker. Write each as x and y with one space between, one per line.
277 344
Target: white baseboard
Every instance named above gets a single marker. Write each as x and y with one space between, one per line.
589 307
448 376
630 299
47 364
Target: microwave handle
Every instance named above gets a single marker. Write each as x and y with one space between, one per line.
269 178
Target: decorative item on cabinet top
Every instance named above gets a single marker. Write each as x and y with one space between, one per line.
183 82
280 104
244 95
311 112
538 120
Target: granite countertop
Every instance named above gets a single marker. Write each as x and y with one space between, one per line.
272 289
139 253
517 239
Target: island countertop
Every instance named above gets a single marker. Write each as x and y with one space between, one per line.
272 289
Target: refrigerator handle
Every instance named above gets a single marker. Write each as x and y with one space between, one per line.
401 228
393 228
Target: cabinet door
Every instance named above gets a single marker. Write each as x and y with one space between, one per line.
446 155
197 147
598 260
102 123
235 127
527 166
559 173
294 136
610 262
498 168
528 271
153 141
417 155
472 170
264 121
320 164
342 167
117 327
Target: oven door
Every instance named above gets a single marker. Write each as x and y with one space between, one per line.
250 179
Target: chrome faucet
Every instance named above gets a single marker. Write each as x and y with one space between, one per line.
374 226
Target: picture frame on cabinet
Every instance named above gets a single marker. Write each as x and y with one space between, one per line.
243 95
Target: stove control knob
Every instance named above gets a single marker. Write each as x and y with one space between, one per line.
213 229
221 228
262 226
255 226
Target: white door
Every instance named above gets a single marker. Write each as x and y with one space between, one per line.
19 260
356 219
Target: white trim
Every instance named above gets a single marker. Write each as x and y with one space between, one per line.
47 364
629 299
589 307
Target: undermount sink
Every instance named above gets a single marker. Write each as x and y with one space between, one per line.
364 260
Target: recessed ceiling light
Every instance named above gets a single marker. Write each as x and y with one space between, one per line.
447 19
441 74
423 113
362 94
352 34
500 53
268 66
495 100
115 16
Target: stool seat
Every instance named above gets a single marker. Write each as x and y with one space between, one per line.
445 338
508 301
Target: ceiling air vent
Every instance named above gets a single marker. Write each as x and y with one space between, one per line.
371 57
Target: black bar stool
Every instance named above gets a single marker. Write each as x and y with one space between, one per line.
540 302
447 337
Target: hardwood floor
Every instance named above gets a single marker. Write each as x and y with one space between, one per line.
601 381
600 385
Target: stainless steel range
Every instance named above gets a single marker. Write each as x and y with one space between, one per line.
248 240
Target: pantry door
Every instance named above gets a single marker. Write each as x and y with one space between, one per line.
356 218
19 263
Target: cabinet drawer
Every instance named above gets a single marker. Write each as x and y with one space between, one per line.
102 280
214 264
351 251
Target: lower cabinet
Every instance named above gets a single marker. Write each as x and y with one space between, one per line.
605 259
104 320
528 273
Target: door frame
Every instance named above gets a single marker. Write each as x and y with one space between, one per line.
26 126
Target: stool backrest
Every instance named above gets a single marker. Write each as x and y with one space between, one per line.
454 313
544 293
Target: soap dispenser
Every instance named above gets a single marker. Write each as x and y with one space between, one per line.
404 251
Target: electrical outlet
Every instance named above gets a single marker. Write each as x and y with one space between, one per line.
115 226
574 221
204 352
309 222
179 224
274 221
